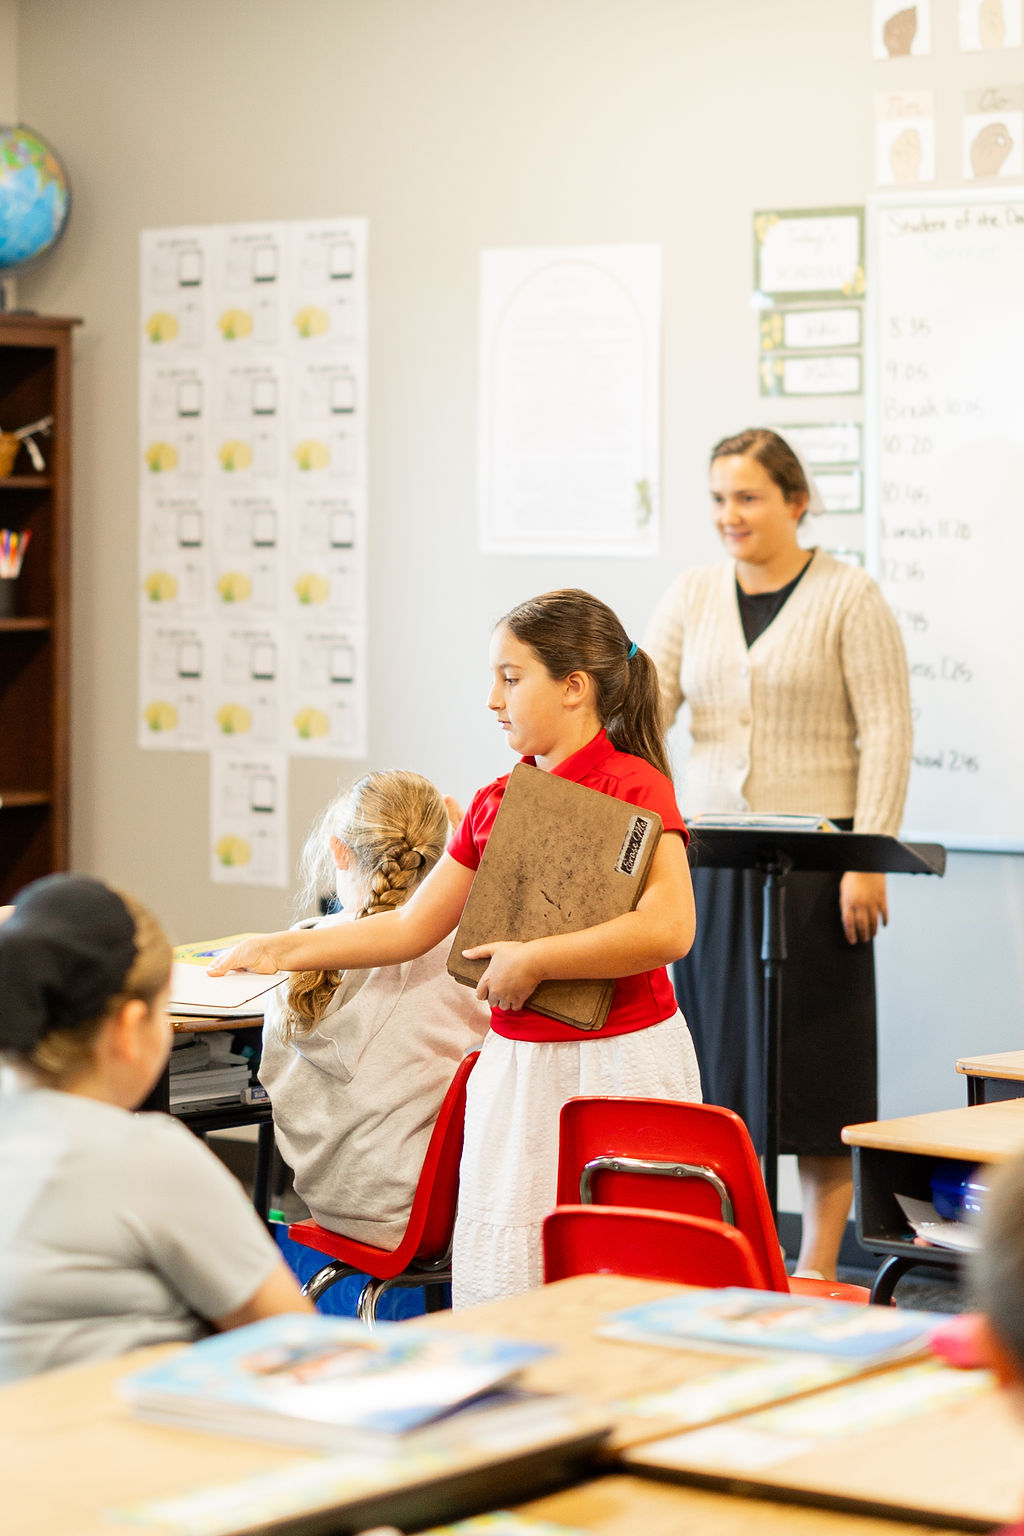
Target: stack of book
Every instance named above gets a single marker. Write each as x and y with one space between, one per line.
330 1383
205 1072
413 1425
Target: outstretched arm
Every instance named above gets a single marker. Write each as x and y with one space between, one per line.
389 938
659 931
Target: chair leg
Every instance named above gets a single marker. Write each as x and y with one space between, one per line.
366 1306
324 1278
890 1271
264 1163
434 1299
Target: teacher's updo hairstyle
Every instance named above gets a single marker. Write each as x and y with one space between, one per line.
72 953
774 455
572 631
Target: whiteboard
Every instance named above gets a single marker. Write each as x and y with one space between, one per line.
946 512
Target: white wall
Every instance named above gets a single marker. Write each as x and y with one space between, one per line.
455 125
8 61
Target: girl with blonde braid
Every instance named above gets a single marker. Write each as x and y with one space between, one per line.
357 1062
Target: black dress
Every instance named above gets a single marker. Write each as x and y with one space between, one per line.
828 1028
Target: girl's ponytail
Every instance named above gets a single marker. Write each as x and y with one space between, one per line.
637 728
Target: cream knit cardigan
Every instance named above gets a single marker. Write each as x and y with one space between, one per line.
813 718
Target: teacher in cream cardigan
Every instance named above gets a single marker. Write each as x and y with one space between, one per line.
796 679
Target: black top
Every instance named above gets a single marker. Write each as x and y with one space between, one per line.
758 609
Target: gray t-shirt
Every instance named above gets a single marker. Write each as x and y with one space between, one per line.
120 1230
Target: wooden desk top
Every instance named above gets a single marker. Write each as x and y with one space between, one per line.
610 1374
1006 1065
187 1024
915 1447
74 1421
618 1505
981 1133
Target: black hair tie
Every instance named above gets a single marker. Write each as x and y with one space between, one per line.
65 951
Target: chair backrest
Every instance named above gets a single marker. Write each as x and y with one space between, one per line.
667 1155
437 1192
651 1245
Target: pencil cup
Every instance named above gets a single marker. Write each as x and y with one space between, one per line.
7 605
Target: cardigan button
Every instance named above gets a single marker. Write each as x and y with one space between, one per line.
744 670
744 717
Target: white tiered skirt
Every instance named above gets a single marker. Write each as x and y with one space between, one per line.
510 1155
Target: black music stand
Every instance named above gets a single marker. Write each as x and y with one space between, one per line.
775 851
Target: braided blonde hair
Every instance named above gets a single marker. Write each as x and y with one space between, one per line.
395 827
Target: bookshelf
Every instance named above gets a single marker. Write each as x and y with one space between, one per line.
35 381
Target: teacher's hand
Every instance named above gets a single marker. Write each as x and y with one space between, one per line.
861 904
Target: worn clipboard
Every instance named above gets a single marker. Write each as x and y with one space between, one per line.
560 857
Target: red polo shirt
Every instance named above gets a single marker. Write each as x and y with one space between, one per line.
639 1001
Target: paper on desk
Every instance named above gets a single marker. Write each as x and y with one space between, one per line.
755 821
929 1225
239 992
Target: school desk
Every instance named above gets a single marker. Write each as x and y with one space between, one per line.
219 1117
893 1157
919 1441
618 1505
1001 1067
73 1420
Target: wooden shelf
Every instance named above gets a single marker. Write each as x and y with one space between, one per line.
35 641
16 799
20 626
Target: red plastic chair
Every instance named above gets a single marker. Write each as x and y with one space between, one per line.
650 1245
423 1257
696 1159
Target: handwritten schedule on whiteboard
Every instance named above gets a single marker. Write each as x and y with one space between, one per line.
949 502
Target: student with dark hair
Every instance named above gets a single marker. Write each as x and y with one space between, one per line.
796 680
119 1230
576 697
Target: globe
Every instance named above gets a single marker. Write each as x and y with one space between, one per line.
34 196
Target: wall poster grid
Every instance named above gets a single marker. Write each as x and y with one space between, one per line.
252 508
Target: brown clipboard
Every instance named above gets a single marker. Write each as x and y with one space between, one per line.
560 857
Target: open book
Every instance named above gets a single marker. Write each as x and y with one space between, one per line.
240 994
733 1318
329 1382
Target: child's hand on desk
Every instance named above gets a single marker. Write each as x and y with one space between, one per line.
255 954
509 979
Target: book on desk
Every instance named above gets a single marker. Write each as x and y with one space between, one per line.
240 994
560 857
329 1383
770 1321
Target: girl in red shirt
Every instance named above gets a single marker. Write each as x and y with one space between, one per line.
575 697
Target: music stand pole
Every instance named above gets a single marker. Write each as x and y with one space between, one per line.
773 956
